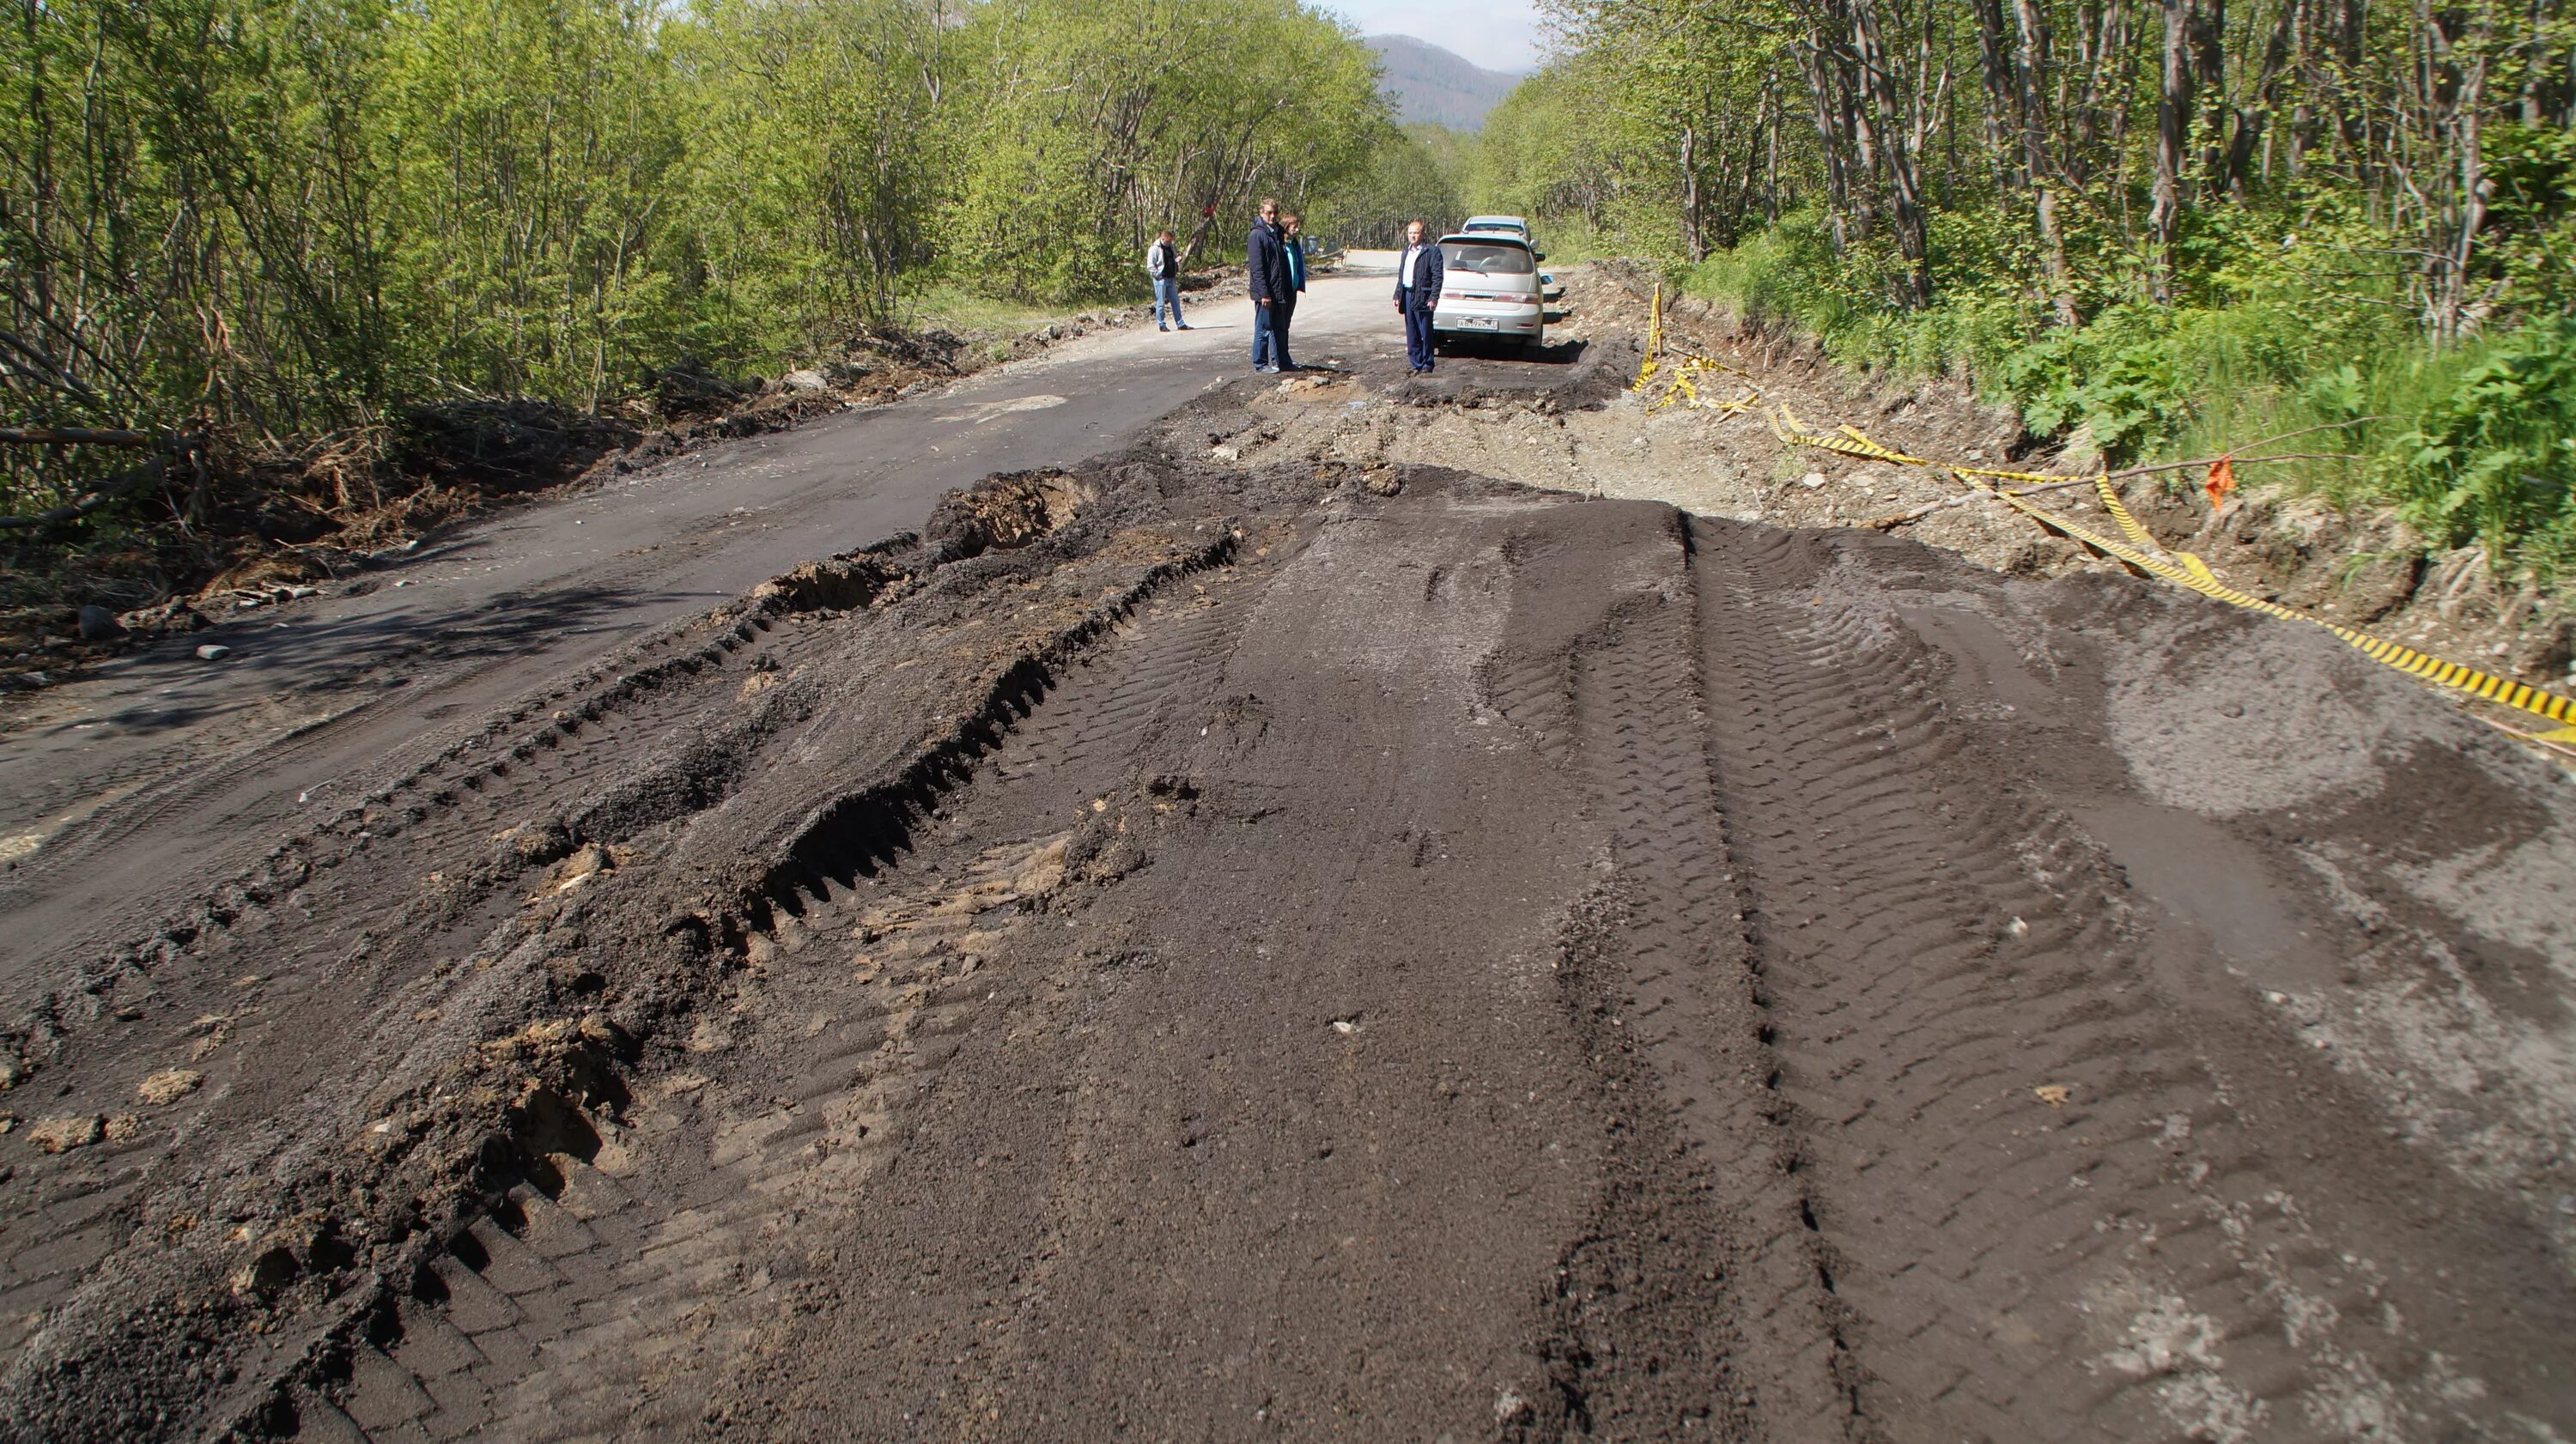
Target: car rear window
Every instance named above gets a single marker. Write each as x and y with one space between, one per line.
1486 260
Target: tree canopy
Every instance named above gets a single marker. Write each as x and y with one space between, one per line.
281 216
2143 221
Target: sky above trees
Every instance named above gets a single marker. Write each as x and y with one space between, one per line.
1496 34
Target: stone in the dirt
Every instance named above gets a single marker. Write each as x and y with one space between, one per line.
98 624
1382 481
531 843
2548 645
169 1085
213 652
2376 587
273 1269
586 862
1812 480
62 1135
804 381
1044 872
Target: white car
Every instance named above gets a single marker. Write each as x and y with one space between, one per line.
1548 285
1491 288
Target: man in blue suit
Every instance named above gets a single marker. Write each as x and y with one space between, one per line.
1418 273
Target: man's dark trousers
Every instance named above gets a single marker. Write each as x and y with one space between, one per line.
1417 328
1270 333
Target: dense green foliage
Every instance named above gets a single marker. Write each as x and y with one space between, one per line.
1413 177
2150 224
277 217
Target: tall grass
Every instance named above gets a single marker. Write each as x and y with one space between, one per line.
2470 443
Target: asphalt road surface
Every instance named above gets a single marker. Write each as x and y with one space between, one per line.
1185 950
160 770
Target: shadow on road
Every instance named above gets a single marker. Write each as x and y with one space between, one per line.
1554 353
307 654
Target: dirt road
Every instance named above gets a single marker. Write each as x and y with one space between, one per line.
165 764
1186 949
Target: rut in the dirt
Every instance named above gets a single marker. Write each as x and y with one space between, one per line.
1214 954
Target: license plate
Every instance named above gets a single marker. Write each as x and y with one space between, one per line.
1471 323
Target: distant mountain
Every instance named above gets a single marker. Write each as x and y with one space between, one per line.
1431 85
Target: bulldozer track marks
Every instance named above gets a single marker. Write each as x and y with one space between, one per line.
1943 962
619 1305
1544 970
430 812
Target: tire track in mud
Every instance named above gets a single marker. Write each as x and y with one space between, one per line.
432 814
1641 712
618 1304
424 821
2123 1259
1678 1061
587 1304
585 753
489 766
1659 978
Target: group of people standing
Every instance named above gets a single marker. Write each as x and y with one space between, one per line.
1275 261
1276 258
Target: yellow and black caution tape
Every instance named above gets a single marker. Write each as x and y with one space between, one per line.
1681 387
2141 551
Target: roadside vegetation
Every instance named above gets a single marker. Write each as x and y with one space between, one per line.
2158 227
1414 177
280 228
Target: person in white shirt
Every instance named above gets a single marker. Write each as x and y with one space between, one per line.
1417 294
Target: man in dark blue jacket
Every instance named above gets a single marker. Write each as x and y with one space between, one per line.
1418 273
1274 291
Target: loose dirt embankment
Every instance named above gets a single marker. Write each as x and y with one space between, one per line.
267 523
1220 947
2357 569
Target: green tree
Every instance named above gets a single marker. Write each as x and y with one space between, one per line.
534 147
273 218
1413 174
1103 123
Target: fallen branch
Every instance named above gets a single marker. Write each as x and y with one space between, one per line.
89 436
2534 738
132 481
